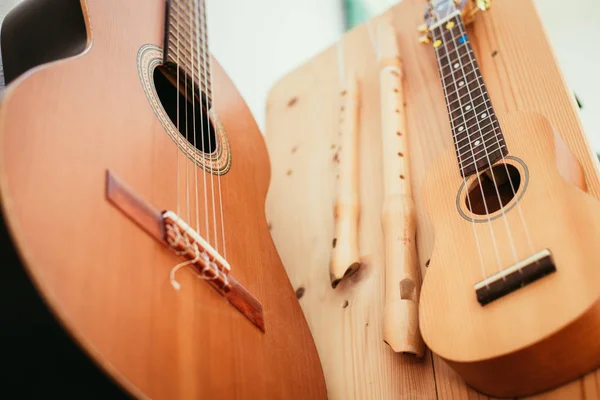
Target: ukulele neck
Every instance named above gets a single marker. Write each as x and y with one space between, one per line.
186 43
478 138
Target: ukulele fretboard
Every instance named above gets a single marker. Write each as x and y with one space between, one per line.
477 135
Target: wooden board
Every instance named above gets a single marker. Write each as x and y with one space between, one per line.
302 130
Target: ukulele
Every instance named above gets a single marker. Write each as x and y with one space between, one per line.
133 181
511 296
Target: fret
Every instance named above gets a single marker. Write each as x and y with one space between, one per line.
180 52
496 149
454 77
184 45
477 112
482 95
483 142
186 42
464 132
477 135
466 87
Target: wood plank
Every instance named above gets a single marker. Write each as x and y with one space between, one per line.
521 74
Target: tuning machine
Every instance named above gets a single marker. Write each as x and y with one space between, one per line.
473 7
483 5
425 37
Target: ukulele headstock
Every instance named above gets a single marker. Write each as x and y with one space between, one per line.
439 10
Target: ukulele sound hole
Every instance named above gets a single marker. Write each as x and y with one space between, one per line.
194 124
482 191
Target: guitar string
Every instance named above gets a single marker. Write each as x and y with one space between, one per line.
193 95
491 229
177 267
217 149
514 192
178 131
187 174
485 148
202 141
207 63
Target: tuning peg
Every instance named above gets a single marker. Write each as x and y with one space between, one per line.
484 4
423 28
424 39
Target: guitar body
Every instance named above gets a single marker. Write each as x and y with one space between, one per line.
62 126
542 334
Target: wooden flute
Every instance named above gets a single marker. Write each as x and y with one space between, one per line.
401 318
345 258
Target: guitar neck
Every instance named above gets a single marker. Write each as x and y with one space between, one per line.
478 138
186 42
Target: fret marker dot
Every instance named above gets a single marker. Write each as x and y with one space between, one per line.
467 108
462 39
456 65
450 25
461 83
478 142
483 115
437 43
461 128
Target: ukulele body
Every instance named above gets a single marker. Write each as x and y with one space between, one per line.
544 333
62 126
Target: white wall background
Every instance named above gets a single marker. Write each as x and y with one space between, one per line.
259 41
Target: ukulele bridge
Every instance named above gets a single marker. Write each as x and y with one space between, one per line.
513 278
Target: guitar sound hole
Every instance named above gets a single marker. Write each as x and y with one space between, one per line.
194 122
480 195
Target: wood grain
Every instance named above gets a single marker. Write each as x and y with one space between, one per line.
521 74
106 280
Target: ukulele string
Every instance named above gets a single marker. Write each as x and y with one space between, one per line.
207 66
460 161
452 122
514 192
483 144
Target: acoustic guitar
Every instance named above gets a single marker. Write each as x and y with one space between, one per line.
133 181
511 296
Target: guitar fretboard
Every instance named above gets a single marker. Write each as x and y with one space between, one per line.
186 42
478 139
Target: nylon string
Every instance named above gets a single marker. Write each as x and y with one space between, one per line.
201 93
452 122
485 149
206 64
514 193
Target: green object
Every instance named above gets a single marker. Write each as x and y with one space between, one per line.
355 13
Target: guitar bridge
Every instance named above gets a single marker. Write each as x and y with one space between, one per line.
515 277
186 242
173 232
